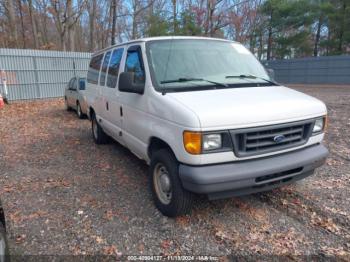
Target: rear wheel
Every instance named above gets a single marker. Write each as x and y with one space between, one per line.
79 112
168 194
98 134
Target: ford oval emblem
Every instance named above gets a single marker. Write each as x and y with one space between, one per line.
279 138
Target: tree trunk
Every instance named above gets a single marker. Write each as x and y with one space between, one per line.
114 18
342 29
92 17
174 17
32 20
211 8
12 21
20 7
134 22
261 45
269 39
318 35
70 26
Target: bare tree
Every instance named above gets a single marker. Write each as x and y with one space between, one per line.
114 18
174 16
10 12
92 5
65 19
33 24
20 10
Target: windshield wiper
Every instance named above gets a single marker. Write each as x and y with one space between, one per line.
252 77
184 79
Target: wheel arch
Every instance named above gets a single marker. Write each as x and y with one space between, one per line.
156 143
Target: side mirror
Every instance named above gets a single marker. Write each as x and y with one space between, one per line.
127 83
271 73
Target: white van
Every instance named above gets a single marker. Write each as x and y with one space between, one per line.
205 116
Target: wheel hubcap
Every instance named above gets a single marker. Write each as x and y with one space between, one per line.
162 183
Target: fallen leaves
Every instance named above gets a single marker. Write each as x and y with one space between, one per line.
338 252
109 215
18 218
183 220
326 223
20 238
257 213
166 244
111 250
99 240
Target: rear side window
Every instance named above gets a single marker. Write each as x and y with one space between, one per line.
94 69
72 84
114 67
104 68
134 64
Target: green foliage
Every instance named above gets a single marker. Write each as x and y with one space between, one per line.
187 24
296 27
157 26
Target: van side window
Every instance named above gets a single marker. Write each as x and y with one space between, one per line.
104 68
134 64
94 69
114 67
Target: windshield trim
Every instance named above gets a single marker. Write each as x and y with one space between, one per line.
199 87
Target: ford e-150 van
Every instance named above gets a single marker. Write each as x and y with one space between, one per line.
205 116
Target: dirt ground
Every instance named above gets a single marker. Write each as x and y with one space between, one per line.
64 195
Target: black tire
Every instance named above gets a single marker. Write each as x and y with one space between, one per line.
99 136
79 112
4 252
181 200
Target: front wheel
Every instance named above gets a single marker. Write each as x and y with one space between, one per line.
168 194
98 134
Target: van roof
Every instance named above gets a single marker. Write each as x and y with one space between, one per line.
147 39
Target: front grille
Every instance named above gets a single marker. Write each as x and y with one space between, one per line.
262 140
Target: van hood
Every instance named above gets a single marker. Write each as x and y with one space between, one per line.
249 106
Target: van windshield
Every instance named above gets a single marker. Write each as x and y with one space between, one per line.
180 64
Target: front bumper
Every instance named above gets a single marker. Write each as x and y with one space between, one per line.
251 176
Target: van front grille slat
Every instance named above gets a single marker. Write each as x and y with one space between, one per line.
261 140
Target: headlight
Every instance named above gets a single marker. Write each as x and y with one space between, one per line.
212 142
320 125
197 143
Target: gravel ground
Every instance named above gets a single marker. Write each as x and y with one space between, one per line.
64 195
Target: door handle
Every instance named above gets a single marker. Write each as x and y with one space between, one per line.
121 111
107 106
